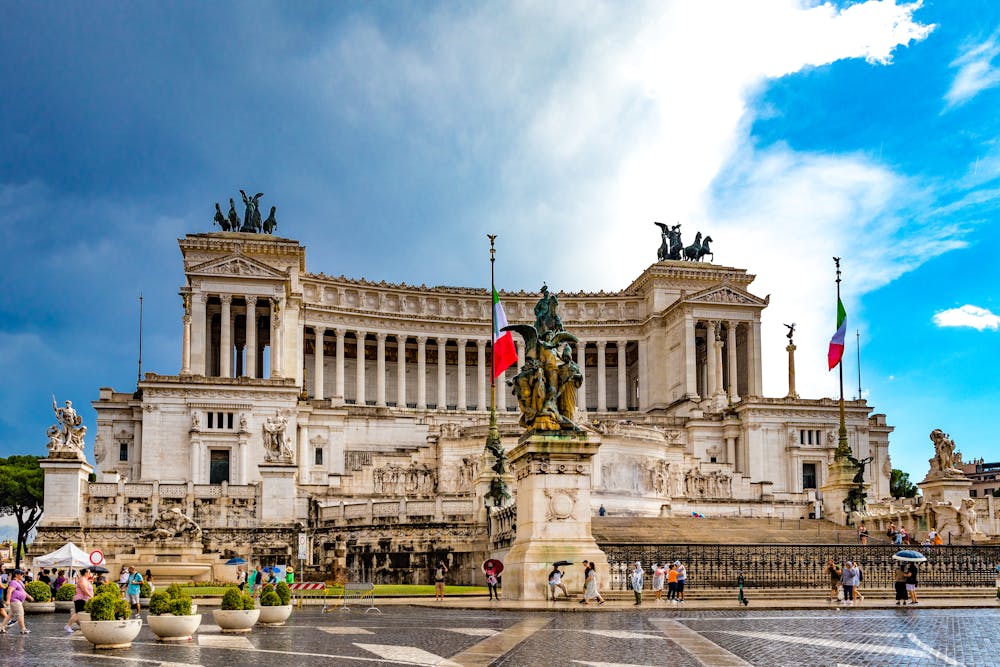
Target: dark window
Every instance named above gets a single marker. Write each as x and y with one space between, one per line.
318 459
211 420
123 451
808 475
972 493
229 420
218 466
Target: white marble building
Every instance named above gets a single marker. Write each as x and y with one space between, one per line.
672 381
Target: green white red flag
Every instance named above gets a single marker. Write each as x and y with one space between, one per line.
504 350
836 352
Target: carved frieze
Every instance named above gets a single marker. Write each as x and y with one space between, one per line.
561 504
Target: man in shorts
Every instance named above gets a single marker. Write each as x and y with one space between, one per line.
555 582
132 590
681 580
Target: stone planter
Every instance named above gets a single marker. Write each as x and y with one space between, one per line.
64 605
144 602
111 634
276 615
39 607
170 628
236 620
83 616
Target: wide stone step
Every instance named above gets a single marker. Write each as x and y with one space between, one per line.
723 530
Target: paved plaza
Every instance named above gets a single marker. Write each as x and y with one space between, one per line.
418 635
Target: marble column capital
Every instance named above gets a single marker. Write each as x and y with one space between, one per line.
341 332
251 301
226 299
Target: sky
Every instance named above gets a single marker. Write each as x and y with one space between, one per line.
791 132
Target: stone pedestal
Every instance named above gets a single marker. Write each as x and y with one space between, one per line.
277 493
949 489
553 515
839 483
790 348
65 488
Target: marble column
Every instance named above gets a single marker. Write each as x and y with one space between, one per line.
401 370
380 370
719 384
755 366
442 399
276 355
186 341
461 402
251 336
602 380
303 454
199 334
691 357
483 371
422 372
734 396
226 337
340 363
581 361
519 346
318 379
622 376
711 387
790 348
359 369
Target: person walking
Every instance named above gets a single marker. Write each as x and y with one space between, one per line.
833 571
149 580
123 579
857 586
848 579
659 574
672 583
440 570
681 580
84 591
911 582
862 533
590 591
16 595
241 578
555 582
637 580
133 591
900 578
3 602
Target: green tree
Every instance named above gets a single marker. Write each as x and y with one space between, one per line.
900 485
22 485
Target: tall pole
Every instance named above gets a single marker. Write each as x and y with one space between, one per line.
843 449
498 490
858 335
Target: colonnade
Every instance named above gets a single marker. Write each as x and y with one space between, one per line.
235 351
729 365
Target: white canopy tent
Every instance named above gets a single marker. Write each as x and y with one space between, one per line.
68 555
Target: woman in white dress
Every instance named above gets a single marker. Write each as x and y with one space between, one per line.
659 574
590 585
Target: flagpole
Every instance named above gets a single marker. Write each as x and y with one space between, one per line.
858 334
493 445
843 449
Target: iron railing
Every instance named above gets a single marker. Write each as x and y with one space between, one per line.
802 566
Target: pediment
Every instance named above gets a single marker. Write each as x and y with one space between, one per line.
237 265
727 294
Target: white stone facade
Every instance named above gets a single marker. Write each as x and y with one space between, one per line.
672 383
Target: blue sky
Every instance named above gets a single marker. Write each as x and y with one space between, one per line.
790 132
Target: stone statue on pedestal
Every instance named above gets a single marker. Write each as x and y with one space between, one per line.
545 388
943 463
68 434
276 447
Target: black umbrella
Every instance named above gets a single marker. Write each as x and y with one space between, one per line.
99 569
562 562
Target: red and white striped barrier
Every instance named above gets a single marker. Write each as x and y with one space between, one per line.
307 586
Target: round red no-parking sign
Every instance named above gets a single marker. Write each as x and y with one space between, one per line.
96 557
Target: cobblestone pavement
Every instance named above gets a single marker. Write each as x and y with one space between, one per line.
404 635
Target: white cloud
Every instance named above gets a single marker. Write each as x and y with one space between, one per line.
968 316
976 71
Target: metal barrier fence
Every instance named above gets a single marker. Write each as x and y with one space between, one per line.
304 589
359 594
802 566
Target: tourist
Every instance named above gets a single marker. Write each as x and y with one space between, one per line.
289 576
272 575
84 591
601 511
911 582
59 581
123 578
590 584
637 581
659 574
833 571
900 577
149 580
849 579
45 578
672 583
16 595
555 581
241 578
491 584
681 580
3 602
132 591
862 533
440 570
253 580
857 586
102 579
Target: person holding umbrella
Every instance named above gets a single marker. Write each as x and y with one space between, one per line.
910 559
555 580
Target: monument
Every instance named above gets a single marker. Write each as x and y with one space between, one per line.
552 463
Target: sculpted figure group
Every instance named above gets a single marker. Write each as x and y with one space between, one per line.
943 462
545 387
251 217
68 433
671 246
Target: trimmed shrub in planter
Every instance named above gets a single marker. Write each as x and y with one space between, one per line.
42 595
109 625
284 592
65 593
170 618
238 613
272 610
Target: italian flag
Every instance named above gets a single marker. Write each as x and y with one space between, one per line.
504 351
836 352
